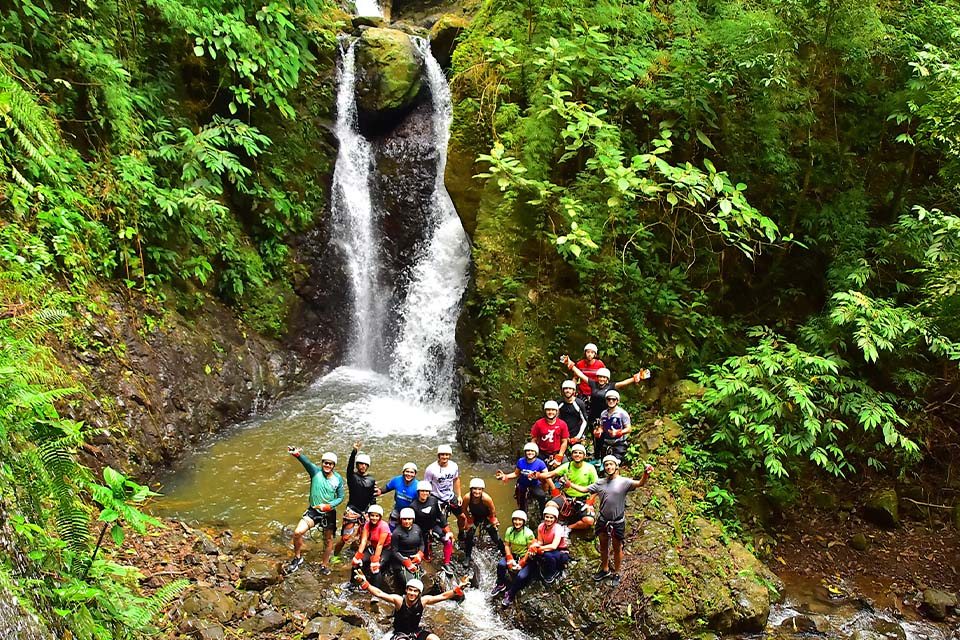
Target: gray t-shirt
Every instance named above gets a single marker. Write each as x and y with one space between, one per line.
613 496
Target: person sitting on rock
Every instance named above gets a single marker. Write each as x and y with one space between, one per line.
432 520
408 608
550 547
528 486
374 550
361 493
611 524
575 507
407 546
516 540
405 486
326 492
481 516
598 392
551 435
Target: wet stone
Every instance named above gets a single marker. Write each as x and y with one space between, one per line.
882 509
258 574
328 627
205 545
936 604
209 603
268 620
799 624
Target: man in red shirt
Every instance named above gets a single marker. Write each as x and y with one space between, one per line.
551 435
588 365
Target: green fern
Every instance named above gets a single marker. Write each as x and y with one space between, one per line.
29 130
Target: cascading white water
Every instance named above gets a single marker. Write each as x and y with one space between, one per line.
424 356
355 224
368 8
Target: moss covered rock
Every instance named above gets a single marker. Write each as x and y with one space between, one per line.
388 75
443 37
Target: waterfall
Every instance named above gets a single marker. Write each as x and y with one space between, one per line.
355 224
423 322
425 352
368 8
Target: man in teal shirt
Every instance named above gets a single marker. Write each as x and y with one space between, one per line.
326 492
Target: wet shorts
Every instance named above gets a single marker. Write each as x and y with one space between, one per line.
616 529
325 520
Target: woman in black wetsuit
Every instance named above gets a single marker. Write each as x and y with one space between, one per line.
408 608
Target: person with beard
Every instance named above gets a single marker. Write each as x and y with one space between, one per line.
611 521
408 608
573 411
361 489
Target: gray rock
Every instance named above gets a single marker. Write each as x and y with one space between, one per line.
862 634
268 620
205 545
302 592
799 624
208 603
882 508
328 627
936 603
258 574
443 37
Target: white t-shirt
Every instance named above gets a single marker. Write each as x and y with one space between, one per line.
441 479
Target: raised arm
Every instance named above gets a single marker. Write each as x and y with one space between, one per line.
298 453
446 595
643 374
508 476
647 470
565 359
393 598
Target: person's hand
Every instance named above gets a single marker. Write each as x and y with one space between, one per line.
356 445
558 458
294 451
616 433
643 374
408 565
574 441
597 431
325 507
647 470
448 536
417 557
459 500
534 475
375 564
513 565
495 522
464 582
362 579
376 492
358 559
499 474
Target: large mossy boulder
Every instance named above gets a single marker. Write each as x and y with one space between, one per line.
388 78
443 37
882 508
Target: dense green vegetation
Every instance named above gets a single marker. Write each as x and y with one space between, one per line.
758 194
131 160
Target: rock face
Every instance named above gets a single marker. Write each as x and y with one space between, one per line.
937 604
443 37
388 77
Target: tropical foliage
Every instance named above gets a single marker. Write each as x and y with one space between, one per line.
759 194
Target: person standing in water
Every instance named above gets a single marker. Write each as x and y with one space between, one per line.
408 608
362 493
326 492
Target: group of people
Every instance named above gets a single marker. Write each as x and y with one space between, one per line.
565 495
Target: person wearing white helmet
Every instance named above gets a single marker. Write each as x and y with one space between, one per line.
611 522
326 492
407 545
481 517
551 434
589 365
374 550
576 507
598 393
408 608
432 520
573 411
528 481
612 429
361 493
550 548
405 485
444 476
516 540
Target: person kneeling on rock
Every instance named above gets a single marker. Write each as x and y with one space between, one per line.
516 541
408 608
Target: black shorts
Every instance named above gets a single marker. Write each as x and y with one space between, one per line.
617 529
452 507
419 635
325 520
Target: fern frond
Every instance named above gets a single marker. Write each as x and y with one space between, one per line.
156 603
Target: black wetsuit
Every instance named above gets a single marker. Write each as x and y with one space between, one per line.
480 513
362 488
406 619
429 516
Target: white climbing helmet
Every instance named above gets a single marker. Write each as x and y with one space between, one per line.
551 404
375 508
407 512
519 513
477 483
329 455
423 485
363 458
612 394
568 384
444 448
603 372
590 347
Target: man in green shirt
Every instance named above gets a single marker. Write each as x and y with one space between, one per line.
326 492
575 507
